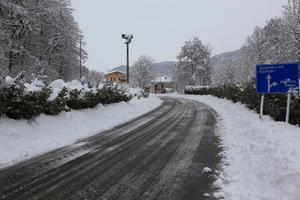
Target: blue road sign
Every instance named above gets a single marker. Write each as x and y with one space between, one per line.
277 78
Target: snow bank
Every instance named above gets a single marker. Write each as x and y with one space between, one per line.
59 84
35 85
9 80
261 158
21 139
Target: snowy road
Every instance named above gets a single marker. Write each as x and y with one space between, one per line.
160 155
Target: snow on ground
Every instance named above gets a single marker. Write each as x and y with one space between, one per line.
206 170
261 158
22 139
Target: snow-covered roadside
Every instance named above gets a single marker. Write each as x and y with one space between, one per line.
261 158
22 139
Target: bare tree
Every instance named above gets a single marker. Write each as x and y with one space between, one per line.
95 76
278 42
225 73
142 72
193 67
291 17
255 46
253 52
39 37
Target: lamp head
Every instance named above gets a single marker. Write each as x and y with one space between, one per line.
127 37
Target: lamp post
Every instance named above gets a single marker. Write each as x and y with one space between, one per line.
128 38
80 59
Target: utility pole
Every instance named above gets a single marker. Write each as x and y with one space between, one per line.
128 38
80 57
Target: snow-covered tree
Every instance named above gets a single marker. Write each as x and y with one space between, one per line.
291 19
14 31
278 42
95 76
193 66
142 72
253 52
255 46
39 37
225 73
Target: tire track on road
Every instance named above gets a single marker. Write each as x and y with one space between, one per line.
151 157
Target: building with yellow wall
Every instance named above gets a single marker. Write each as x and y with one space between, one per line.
116 77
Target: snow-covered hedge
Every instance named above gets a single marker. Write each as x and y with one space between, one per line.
275 105
19 100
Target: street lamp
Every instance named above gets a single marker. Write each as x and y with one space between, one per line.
128 38
80 59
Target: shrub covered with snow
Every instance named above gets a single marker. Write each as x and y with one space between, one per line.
81 99
19 100
275 105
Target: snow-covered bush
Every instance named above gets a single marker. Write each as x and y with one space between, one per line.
81 99
136 92
143 94
275 105
19 100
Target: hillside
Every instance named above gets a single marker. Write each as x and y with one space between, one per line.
233 55
167 67
162 68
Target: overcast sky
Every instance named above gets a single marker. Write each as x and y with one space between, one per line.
161 27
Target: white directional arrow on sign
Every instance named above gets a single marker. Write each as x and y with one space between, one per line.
269 77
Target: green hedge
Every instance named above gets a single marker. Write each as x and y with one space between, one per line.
275 105
16 103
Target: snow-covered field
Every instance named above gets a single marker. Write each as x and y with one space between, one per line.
22 139
261 159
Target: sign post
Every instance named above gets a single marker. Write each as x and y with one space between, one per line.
287 116
277 79
262 107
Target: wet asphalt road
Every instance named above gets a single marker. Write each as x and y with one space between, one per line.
157 156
